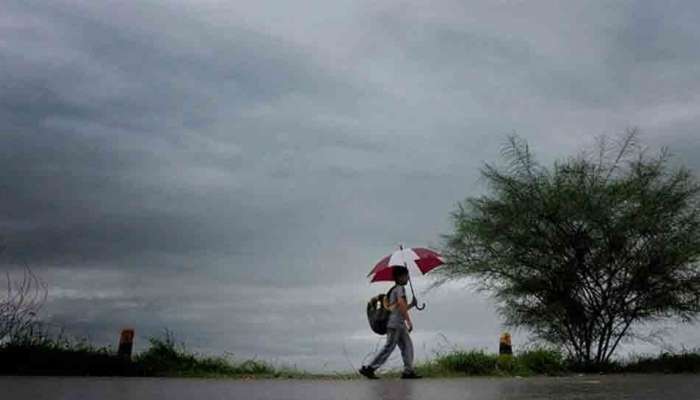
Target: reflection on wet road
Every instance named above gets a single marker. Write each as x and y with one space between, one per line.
638 387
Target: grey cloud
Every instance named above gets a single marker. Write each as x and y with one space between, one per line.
102 153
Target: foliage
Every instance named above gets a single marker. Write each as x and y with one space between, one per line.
479 363
475 362
685 362
579 252
42 355
166 358
541 361
506 364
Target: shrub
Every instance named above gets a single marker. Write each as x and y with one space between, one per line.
53 357
475 362
166 358
686 362
542 361
506 364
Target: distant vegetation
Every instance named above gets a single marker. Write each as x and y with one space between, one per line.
551 363
480 363
166 358
685 362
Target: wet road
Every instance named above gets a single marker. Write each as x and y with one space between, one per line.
638 387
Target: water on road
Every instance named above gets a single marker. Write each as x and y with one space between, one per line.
637 387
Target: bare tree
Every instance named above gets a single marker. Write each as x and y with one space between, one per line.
20 305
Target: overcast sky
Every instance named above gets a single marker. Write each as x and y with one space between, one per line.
232 170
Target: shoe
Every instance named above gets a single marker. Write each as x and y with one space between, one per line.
368 372
410 375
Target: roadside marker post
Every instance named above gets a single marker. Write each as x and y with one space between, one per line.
505 347
126 343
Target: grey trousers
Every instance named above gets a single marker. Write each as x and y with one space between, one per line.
400 337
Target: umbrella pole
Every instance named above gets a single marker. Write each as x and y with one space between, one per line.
421 307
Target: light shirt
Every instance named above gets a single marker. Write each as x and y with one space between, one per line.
396 320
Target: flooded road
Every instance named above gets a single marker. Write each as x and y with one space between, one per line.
637 387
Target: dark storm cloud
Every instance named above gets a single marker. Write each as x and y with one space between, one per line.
109 146
231 170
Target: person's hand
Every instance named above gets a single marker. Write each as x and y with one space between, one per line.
414 302
409 325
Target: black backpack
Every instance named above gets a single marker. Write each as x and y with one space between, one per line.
378 313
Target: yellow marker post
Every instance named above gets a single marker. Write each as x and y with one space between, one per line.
505 346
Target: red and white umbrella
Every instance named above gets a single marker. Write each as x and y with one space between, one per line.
420 258
423 259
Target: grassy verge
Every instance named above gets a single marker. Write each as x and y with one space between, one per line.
538 362
62 358
667 363
480 363
165 358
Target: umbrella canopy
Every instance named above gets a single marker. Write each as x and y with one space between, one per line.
423 259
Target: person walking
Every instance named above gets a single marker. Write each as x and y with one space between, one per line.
399 327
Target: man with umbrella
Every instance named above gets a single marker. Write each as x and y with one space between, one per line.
399 324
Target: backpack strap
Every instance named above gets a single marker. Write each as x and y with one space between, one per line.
387 300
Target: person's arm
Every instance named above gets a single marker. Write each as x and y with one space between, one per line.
403 309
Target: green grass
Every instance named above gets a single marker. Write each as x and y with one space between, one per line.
468 362
47 356
667 363
165 358
42 355
541 361
481 363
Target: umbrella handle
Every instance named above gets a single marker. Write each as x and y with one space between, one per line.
421 307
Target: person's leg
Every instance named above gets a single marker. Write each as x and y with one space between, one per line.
392 338
406 345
